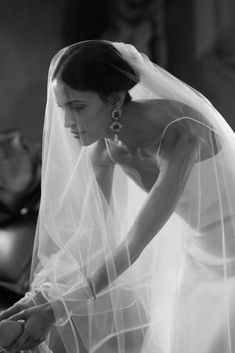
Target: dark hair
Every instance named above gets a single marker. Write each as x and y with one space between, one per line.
95 65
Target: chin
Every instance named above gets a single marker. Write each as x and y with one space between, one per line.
87 141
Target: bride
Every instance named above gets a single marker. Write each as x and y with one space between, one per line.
135 247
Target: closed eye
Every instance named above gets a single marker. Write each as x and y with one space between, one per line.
78 108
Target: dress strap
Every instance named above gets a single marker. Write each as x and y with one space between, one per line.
176 120
108 150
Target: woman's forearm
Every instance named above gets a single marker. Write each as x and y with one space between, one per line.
125 255
157 209
146 226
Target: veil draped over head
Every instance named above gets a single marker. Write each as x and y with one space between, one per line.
179 294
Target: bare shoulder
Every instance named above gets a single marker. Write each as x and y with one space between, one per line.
182 129
168 110
178 140
178 122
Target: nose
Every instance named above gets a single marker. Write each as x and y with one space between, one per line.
68 121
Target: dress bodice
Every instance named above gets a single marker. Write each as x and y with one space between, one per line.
204 199
202 202
140 166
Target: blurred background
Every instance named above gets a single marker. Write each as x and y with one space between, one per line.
193 39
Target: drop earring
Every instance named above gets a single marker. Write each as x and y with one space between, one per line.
116 126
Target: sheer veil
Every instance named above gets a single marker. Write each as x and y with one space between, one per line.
178 296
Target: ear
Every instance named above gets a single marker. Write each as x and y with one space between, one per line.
117 99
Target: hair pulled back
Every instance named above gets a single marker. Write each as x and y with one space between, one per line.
95 65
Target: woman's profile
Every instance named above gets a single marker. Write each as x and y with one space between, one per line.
135 245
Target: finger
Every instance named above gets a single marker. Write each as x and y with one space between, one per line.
22 315
16 346
11 311
3 315
3 350
19 339
11 347
31 344
7 313
16 308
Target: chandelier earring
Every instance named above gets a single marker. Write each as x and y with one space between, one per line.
116 125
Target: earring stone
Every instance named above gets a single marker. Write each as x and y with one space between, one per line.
116 126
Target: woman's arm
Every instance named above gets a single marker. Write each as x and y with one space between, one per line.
175 161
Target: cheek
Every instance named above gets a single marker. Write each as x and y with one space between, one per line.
105 115
99 118
79 118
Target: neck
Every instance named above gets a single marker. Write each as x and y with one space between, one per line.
135 131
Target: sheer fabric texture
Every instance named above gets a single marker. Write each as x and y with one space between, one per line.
178 297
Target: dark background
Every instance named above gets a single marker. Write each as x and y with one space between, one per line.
192 39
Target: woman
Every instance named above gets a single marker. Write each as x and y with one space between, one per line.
130 152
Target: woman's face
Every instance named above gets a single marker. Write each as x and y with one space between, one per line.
85 113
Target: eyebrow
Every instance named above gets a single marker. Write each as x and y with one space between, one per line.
71 102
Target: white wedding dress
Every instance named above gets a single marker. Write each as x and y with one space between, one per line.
204 279
178 297
204 309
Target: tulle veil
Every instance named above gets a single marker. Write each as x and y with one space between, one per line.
178 295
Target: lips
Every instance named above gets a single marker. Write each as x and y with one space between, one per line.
75 132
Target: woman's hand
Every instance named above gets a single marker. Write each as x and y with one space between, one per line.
38 322
16 308
10 331
28 301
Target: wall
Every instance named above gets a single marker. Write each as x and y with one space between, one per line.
215 54
30 34
198 46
